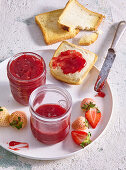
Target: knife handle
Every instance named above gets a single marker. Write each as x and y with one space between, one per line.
119 32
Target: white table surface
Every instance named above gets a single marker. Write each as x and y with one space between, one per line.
18 32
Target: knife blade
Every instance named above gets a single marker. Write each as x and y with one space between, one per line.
100 82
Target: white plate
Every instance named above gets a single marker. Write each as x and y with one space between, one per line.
67 147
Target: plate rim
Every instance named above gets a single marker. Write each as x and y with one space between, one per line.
68 154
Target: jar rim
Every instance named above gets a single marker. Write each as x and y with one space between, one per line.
61 91
24 53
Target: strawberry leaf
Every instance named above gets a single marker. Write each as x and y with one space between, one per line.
1 109
86 123
85 106
17 123
98 111
82 144
86 141
89 134
88 106
19 119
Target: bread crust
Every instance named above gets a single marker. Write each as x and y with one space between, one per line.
81 42
61 77
91 29
63 35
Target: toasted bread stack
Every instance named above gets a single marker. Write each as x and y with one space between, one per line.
50 29
65 23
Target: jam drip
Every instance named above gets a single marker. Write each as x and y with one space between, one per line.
12 145
99 88
100 94
69 61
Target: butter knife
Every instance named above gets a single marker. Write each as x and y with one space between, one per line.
99 85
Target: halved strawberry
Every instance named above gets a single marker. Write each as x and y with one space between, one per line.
81 138
93 115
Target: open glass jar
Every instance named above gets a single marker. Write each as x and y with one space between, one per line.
26 71
50 108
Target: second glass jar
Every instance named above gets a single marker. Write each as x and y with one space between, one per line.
50 108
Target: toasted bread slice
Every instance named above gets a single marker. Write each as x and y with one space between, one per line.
76 15
78 76
50 29
88 39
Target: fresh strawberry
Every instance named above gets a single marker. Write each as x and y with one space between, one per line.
81 138
18 119
80 124
87 103
4 116
93 115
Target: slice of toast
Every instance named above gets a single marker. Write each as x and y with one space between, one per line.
78 76
50 29
88 39
76 15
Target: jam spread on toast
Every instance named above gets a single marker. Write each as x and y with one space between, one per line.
69 61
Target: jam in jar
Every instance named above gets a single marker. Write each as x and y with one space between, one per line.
50 108
26 71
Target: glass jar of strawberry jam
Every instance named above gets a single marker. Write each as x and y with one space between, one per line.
26 71
50 108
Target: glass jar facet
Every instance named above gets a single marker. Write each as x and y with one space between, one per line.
47 129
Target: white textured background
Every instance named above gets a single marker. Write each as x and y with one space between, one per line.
18 32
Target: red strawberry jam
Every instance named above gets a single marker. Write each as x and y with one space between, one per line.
50 110
26 72
69 61
26 67
50 133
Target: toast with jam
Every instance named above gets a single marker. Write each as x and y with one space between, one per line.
71 63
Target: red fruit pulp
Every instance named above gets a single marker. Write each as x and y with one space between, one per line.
93 116
79 136
50 133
